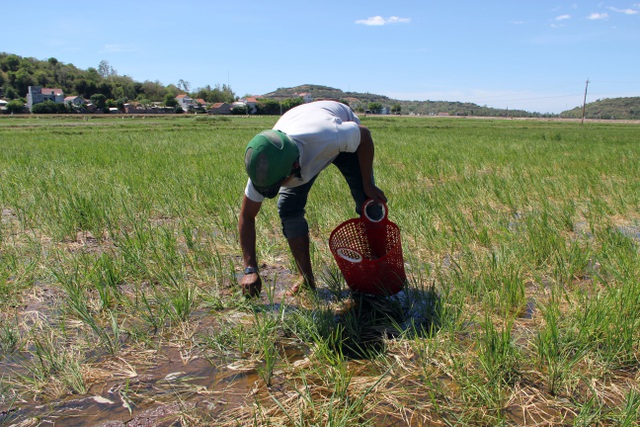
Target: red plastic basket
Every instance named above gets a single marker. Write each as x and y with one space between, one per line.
369 254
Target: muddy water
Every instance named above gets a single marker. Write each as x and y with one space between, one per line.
632 232
119 401
154 397
172 384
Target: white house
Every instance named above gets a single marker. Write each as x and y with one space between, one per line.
74 101
239 104
306 97
187 103
37 94
251 103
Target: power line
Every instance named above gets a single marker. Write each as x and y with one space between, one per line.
614 81
541 97
511 98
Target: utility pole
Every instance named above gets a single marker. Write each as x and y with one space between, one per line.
584 102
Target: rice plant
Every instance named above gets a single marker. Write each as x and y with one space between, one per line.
119 254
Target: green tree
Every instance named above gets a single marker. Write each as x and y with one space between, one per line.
173 89
122 87
85 88
92 75
42 78
218 94
23 81
375 107
18 73
269 107
227 93
239 109
170 100
144 102
105 89
27 64
119 92
152 90
10 63
54 66
184 86
91 89
289 103
11 78
105 70
396 108
49 107
11 93
99 100
15 106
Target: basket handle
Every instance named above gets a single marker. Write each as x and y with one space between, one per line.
349 254
385 211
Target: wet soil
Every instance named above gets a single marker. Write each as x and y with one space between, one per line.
177 382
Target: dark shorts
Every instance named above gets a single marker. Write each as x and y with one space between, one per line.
292 201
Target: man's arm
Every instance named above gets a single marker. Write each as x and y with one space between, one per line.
251 283
365 153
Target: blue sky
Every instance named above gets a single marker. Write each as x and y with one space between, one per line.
531 55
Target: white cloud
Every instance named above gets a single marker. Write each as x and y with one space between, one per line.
563 17
379 20
374 20
398 20
598 16
625 11
118 48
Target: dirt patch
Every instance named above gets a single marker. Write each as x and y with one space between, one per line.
165 387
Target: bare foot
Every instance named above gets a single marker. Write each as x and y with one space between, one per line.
299 286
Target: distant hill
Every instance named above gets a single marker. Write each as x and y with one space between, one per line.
360 101
18 73
325 92
612 108
609 108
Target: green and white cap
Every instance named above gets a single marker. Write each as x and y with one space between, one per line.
268 159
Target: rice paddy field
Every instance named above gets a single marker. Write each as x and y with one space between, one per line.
119 262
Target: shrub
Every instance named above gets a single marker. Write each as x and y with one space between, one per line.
15 106
48 107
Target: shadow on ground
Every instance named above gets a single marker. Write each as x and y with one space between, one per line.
371 320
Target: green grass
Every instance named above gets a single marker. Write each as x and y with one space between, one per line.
118 243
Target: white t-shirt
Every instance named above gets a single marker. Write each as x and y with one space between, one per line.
321 130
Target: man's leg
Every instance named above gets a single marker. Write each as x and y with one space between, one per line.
349 166
301 254
291 208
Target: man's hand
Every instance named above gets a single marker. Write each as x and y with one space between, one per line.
251 285
365 153
375 193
